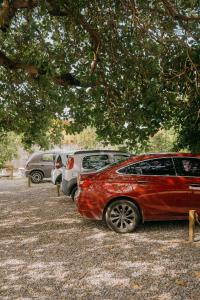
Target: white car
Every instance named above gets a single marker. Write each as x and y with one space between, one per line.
84 161
59 164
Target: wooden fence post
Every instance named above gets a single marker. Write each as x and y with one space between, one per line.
191 225
12 172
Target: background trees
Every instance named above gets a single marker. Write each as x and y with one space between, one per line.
9 144
127 68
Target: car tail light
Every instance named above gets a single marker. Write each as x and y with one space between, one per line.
70 163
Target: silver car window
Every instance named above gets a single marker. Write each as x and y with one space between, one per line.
95 162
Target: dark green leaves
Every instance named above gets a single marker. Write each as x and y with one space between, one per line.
125 68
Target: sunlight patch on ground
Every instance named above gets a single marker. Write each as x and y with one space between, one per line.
107 278
29 240
54 221
6 242
165 296
42 270
10 223
97 236
11 262
20 212
141 268
6 192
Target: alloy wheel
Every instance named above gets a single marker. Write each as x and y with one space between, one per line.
122 216
36 177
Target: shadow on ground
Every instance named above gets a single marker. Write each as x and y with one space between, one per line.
48 251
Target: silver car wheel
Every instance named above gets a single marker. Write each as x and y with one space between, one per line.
36 177
122 216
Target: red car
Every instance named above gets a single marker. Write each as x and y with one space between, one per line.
143 188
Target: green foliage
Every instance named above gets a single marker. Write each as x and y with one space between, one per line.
189 130
162 141
87 139
147 65
9 144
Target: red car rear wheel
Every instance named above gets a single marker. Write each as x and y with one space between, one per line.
122 216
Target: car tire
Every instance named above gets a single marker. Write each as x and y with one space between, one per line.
73 192
122 216
36 176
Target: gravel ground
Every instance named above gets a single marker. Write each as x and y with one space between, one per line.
47 251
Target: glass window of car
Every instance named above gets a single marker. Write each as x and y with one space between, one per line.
120 157
64 159
161 166
48 157
95 161
187 166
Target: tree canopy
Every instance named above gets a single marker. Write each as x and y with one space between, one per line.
127 68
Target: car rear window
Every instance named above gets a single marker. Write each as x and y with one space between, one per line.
48 157
95 162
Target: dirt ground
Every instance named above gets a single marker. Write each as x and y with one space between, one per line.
48 251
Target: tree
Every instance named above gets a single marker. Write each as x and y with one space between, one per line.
127 68
9 144
87 139
162 141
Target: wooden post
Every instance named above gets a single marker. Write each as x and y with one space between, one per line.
11 171
58 189
191 225
29 180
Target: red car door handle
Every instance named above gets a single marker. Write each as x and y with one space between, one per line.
142 181
194 186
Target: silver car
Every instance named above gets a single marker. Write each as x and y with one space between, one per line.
84 161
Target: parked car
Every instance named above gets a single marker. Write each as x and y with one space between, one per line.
143 188
86 160
39 165
59 163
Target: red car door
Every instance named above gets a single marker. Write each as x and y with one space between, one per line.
164 198
189 170
159 192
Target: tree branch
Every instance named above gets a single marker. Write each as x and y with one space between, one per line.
34 72
55 10
175 13
8 10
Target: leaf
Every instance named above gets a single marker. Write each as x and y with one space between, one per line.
135 285
197 274
180 282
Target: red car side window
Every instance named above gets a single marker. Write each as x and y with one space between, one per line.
187 166
162 166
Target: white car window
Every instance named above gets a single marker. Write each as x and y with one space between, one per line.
95 162
120 157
